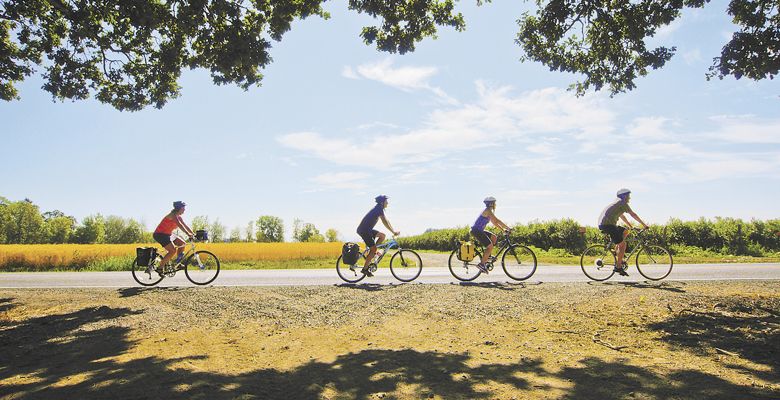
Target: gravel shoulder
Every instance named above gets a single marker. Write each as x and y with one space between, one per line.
550 340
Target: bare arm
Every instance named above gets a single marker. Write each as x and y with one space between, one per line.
497 222
387 225
184 227
636 217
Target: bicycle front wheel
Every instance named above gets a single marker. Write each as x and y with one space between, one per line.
598 262
406 265
351 273
202 267
519 262
465 271
144 275
654 262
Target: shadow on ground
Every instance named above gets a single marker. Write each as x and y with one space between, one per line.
751 331
72 355
675 287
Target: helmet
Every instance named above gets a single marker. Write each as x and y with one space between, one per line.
489 199
178 204
380 199
623 192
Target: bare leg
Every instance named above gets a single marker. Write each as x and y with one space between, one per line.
171 251
621 250
489 250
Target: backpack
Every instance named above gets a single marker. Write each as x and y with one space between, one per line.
350 253
466 251
145 255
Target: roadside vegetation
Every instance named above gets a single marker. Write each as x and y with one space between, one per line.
31 240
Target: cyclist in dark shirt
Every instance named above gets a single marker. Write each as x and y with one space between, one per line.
608 224
371 236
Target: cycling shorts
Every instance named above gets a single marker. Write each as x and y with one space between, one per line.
615 232
483 237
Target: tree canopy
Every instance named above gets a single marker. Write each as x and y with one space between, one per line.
131 53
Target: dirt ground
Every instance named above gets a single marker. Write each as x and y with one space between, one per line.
672 340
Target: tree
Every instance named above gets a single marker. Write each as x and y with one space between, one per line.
269 229
216 231
606 41
60 229
249 233
114 228
92 230
131 56
332 235
23 223
306 232
200 223
235 235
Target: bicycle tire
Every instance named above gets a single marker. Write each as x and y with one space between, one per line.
467 271
590 259
350 273
656 262
405 256
521 269
139 272
204 262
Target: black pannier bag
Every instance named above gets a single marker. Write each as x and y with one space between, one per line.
201 235
145 255
350 253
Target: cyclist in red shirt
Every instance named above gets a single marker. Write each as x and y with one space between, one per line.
164 233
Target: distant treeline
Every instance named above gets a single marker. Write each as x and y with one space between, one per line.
721 235
22 222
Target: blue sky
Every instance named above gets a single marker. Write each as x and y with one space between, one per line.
336 123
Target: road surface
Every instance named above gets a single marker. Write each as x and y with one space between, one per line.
430 275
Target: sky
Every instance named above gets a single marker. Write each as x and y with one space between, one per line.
337 122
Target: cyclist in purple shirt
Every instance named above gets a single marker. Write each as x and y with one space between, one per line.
487 239
371 236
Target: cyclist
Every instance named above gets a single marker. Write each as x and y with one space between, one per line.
487 238
371 236
608 225
165 229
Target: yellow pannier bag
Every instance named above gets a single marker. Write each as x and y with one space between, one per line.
466 251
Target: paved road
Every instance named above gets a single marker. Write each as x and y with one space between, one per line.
430 275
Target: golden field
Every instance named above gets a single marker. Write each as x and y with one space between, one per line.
57 256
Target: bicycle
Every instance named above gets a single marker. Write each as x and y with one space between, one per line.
520 265
201 267
405 265
653 261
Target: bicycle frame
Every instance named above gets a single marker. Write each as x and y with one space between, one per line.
640 242
503 242
386 247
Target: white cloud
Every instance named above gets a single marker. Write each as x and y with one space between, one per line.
648 128
746 129
497 116
405 78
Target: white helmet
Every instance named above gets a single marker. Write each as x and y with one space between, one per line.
623 192
489 199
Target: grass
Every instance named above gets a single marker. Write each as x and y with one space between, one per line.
553 256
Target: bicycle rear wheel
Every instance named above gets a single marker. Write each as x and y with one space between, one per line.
351 273
598 262
202 267
465 271
654 262
406 265
520 263
144 275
